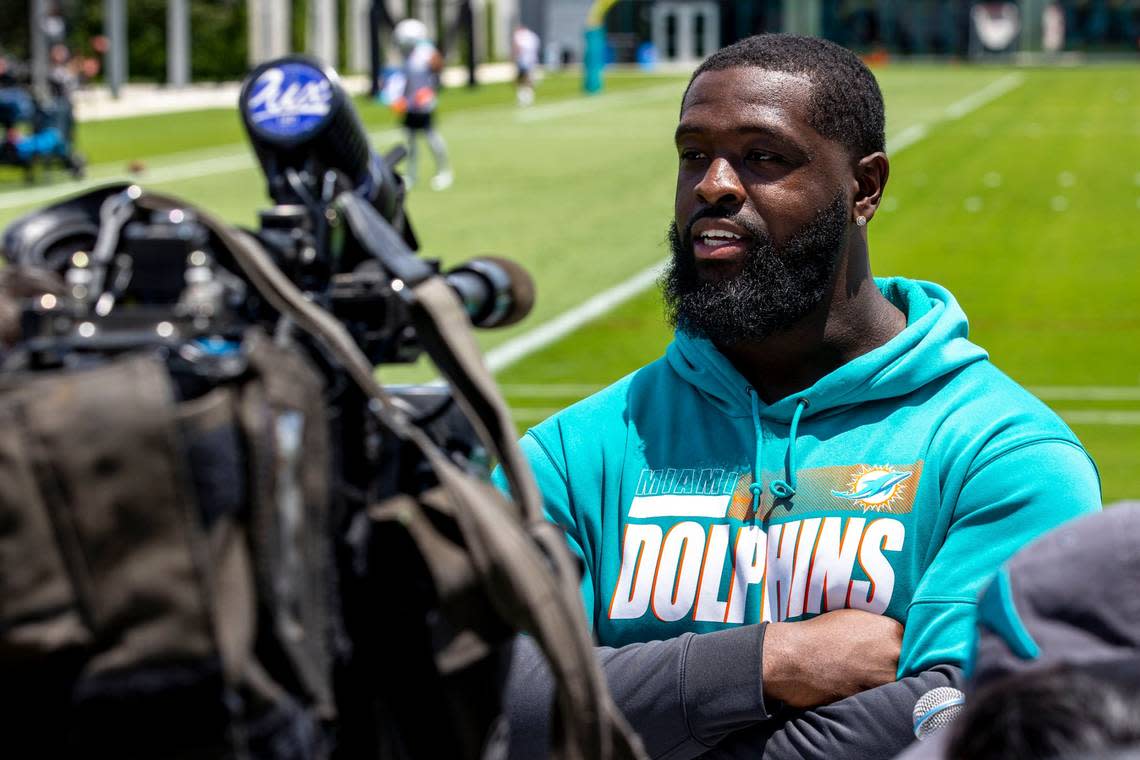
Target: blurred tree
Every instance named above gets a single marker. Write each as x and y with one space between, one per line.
218 35
219 39
299 24
14 30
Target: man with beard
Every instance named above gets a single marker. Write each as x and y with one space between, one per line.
785 521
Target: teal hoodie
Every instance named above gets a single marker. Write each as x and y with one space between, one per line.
896 484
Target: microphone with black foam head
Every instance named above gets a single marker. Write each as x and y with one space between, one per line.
495 292
936 709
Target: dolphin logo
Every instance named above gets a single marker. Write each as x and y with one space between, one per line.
876 483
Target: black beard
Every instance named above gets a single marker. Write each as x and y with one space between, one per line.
775 288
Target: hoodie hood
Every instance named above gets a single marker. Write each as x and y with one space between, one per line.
933 344
1037 613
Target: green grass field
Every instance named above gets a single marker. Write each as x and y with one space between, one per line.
1018 190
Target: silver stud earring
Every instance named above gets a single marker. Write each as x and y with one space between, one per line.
861 221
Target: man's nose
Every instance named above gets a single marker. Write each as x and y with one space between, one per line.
720 185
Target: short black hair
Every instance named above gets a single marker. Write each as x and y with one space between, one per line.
1068 711
846 104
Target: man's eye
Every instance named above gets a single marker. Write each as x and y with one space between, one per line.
691 154
760 155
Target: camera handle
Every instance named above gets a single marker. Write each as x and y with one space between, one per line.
115 212
446 335
534 591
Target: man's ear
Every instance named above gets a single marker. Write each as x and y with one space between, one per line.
871 179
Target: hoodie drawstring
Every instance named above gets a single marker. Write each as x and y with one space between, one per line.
757 486
781 489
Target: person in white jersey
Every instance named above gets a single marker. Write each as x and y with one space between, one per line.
524 49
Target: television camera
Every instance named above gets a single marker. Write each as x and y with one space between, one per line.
220 536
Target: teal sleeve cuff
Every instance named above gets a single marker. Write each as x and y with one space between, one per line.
937 633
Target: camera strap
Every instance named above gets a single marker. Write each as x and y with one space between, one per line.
533 588
443 329
127 613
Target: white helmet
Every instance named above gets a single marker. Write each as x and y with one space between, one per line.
409 33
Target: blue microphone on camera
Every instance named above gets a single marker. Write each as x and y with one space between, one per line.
302 124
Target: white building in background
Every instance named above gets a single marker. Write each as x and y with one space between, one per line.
561 26
269 29
685 32
681 31
270 33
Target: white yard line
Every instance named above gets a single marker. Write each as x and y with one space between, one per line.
568 321
191 169
956 110
987 94
187 166
1110 417
35 195
543 335
1086 392
906 138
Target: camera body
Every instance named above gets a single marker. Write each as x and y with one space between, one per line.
277 468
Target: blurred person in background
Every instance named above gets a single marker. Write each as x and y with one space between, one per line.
64 78
64 73
421 69
524 49
7 72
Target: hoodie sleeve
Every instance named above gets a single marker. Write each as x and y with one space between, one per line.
550 475
681 695
700 695
870 725
1006 501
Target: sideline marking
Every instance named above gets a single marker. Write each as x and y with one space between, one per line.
1086 392
956 110
192 168
568 321
987 94
906 138
1127 417
543 335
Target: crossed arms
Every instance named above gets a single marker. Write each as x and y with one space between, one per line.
822 688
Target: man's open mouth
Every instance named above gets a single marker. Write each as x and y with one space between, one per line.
717 240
